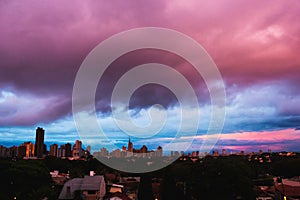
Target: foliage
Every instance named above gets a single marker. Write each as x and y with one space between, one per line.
24 179
224 178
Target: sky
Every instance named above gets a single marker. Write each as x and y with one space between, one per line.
255 45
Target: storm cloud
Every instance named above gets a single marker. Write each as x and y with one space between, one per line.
254 44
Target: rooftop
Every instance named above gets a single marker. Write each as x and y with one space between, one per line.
87 183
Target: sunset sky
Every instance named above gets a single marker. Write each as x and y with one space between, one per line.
255 44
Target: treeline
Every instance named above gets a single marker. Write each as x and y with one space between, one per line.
230 177
30 179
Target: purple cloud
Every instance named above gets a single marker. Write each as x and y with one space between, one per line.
44 43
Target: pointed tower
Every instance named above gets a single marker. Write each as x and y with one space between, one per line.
130 146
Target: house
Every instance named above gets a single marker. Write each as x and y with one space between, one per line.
59 178
289 187
89 187
116 188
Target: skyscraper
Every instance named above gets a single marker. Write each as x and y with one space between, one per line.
39 142
29 149
68 150
88 148
77 149
130 146
159 151
129 149
54 150
224 152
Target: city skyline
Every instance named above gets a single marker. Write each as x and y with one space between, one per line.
78 150
255 49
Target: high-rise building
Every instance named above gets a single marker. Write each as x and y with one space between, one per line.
103 152
3 151
116 153
159 151
13 151
29 149
129 149
88 149
77 149
68 150
242 153
144 149
224 152
39 142
215 153
61 151
65 150
45 152
124 148
194 154
21 151
130 146
123 151
54 150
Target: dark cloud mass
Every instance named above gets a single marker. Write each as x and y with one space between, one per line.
150 94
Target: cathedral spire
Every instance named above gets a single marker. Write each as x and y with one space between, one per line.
130 145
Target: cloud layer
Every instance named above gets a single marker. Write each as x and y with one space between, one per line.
254 44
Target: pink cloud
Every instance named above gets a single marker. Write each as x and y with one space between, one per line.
264 136
246 40
279 140
43 43
255 148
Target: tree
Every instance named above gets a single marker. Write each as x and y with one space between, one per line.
145 188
